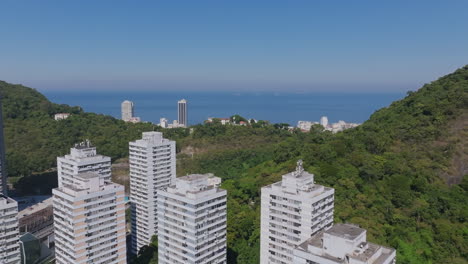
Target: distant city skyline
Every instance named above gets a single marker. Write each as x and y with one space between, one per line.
241 45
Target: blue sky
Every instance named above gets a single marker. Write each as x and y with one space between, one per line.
380 46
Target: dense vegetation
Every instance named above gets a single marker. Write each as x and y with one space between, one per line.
387 172
34 139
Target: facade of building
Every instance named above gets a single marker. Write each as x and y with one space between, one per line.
305 125
340 126
152 168
38 220
292 210
134 120
333 127
342 244
61 116
182 116
32 250
9 236
3 172
163 122
324 121
127 110
89 221
192 221
82 158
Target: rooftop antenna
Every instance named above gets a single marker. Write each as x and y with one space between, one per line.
299 167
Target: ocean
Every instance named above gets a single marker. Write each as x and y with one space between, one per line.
272 106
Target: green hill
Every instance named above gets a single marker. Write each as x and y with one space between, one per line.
401 175
390 175
34 139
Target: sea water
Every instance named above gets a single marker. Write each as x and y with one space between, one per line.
275 107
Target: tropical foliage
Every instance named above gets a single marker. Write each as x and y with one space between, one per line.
388 173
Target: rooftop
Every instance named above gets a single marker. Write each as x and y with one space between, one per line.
298 181
35 208
194 177
347 231
195 185
361 251
151 137
87 175
4 200
84 145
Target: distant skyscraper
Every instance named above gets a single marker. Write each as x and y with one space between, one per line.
292 210
82 158
152 168
127 111
192 221
3 172
324 121
9 235
182 112
342 244
89 221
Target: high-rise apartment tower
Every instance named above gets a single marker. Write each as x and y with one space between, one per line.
89 221
192 221
182 116
152 168
292 210
82 158
127 110
324 121
9 235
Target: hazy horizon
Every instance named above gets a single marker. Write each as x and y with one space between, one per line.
242 45
233 87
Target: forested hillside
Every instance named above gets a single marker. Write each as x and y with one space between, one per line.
386 174
390 174
34 139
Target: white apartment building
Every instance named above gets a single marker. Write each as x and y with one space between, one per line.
192 221
9 235
82 158
152 168
342 244
89 221
127 110
163 122
182 116
306 125
324 121
340 126
292 210
61 116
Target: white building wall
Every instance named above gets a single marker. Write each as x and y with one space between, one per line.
192 221
324 121
127 110
9 235
292 210
152 168
89 222
82 158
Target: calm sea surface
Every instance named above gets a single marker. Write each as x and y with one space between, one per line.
275 107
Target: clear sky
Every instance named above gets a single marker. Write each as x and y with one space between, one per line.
294 45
